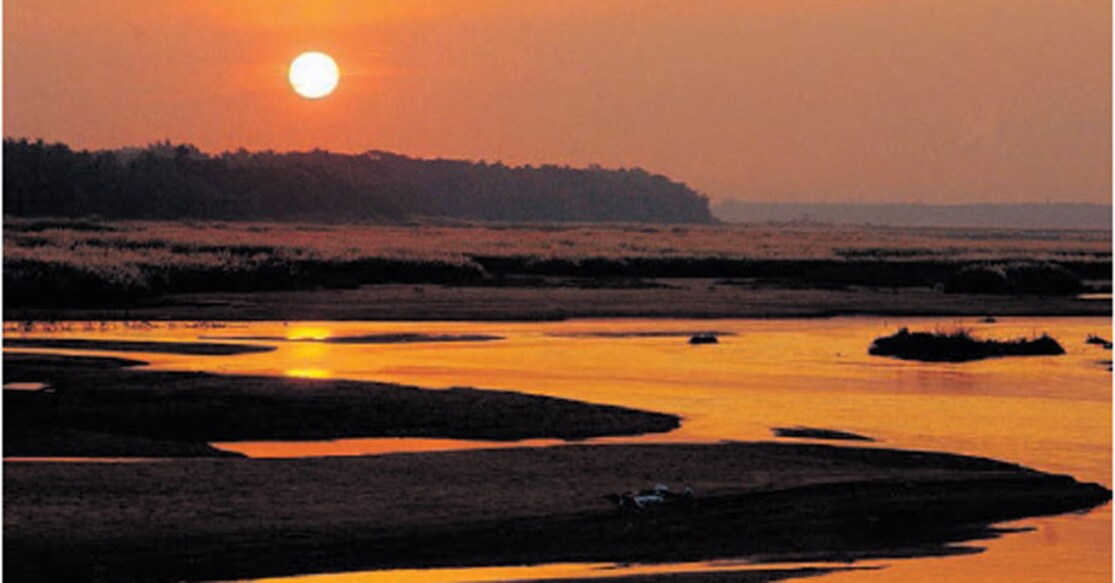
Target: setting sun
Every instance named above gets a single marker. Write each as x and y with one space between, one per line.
314 75
589 290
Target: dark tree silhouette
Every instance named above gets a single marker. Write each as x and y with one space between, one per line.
168 181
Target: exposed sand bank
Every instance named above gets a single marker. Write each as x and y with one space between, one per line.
222 519
100 407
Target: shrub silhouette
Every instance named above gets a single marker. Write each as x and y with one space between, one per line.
1014 278
958 346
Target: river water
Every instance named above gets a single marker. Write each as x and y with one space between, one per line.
1049 413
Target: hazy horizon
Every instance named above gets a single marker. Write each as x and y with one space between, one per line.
805 101
1046 215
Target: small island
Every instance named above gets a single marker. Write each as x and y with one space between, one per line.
959 346
701 338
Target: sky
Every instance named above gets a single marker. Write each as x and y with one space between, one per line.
933 101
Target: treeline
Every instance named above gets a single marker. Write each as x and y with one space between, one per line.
168 181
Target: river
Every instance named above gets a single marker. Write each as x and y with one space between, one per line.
1048 413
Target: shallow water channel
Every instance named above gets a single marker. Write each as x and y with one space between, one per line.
1048 413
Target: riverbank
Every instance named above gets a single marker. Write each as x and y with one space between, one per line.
667 298
269 271
199 519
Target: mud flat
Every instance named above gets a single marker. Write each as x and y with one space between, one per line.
212 519
818 433
102 407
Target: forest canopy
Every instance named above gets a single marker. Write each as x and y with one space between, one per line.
169 181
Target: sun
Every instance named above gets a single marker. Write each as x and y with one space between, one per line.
314 75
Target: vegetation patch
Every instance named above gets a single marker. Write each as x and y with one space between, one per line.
1099 341
82 262
1021 277
959 346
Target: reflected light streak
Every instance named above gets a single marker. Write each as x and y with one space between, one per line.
366 446
304 333
1049 413
309 373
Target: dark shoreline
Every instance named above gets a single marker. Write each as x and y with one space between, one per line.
191 348
193 520
681 298
98 407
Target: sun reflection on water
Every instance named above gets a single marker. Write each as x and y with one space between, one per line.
1050 413
308 333
309 373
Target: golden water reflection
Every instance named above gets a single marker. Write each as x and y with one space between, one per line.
25 386
367 446
309 373
1050 413
1061 548
557 571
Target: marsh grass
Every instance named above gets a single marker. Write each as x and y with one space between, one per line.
85 262
1019 277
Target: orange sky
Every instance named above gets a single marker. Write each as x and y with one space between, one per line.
766 100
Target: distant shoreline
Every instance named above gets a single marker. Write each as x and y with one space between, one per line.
1043 216
687 298
282 271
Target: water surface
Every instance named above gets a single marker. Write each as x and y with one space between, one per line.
1049 413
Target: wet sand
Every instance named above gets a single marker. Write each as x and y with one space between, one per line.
224 519
102 407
